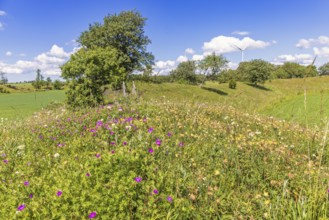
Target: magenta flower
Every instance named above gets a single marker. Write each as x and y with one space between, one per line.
113 151
98 155
59 193
169 134
111 133
112 143
151 150
150 130
138 179
158 142
26 183
21 207
125 143
169 199
181 144
155 191
31 196
5 161
92 215
88 174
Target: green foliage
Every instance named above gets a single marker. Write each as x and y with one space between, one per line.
212 65
3 78
38 82
88 71
58 85
295 70
255 71
185 73
110 52
227 75
232 84
125 33
324 69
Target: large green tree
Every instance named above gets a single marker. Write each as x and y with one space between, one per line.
324 69
124 32
212 65
185 73
256 71
109 53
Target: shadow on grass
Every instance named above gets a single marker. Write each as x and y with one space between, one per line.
219 92
258 87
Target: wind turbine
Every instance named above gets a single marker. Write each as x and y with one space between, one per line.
242 51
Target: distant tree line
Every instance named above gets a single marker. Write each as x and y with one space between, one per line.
41 82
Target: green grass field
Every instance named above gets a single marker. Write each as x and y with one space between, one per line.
173 152
21 105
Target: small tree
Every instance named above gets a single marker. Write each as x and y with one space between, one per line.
257 71
185 73
3 78
38 80
211 66
48 82
324 69
57 84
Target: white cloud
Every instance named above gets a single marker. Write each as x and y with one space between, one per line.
163 67
307 43
223 44
181 59
197 57
189 51
48 62
8 53
232 65
322 52
303 59
2 13
1 26
241 33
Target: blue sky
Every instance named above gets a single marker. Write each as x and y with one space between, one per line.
40 33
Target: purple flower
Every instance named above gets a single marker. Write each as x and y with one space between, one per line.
31 196
111 133
3 155
98 155
92 215
169 199
99 123
113 151
21 207
93 130
181 144
88 174
150 130
169 134
125 143
138 179
26 183
60 145
59 193
151 150
155 191
5 161
158 142
112 143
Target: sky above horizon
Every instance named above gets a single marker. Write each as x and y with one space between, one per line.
38 34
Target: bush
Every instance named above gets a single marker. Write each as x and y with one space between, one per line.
232 84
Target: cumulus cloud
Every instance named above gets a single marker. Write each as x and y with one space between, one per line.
322 52
241 33
2 13
303 59
181 59
8 53
48 62
197 57
224 44
307 43
163 67
189 51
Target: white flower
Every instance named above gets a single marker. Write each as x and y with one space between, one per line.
56 155
21 147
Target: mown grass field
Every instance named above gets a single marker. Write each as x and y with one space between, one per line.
173 152
21 105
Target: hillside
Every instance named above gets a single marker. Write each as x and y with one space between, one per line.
174 152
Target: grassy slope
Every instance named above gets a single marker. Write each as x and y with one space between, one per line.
218 162
20 105
283 99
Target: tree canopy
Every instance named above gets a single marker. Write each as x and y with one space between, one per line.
109 53
324 69
212 65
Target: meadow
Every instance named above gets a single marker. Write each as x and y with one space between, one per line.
173 152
